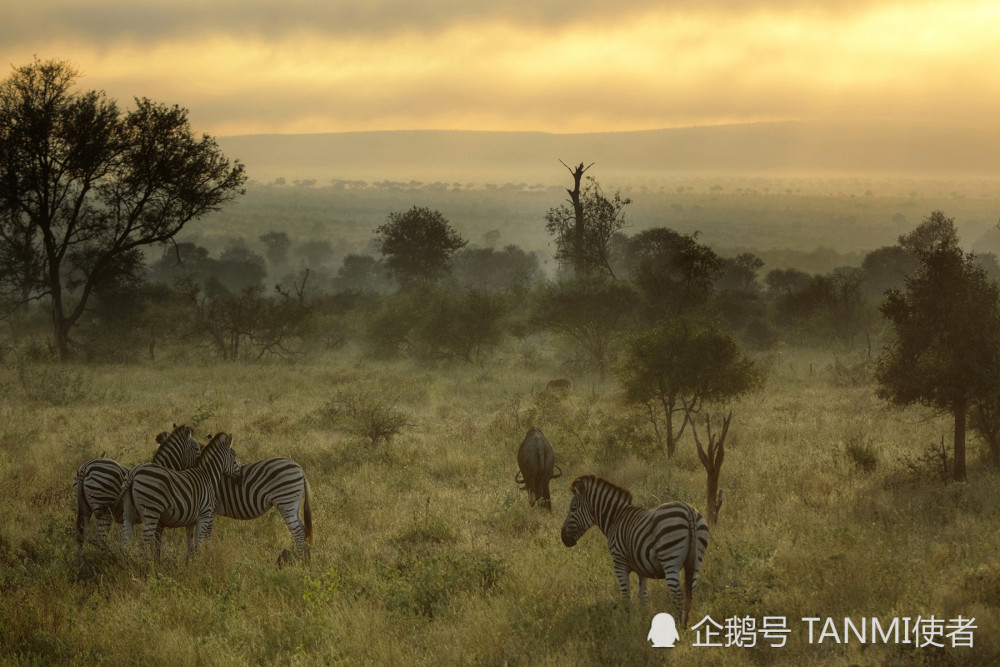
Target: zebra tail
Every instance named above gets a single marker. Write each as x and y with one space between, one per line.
83 510
691 558
129 515
307 512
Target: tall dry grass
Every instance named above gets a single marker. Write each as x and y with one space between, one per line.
426 552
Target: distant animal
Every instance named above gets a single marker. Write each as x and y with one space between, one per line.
536 460
559 385
163 498
278 483
655 544
98 483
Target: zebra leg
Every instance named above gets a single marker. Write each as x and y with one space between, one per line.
673 577
191 542
158 541
643 581
622 572
150 525
201 530
83 512
290 513
104 520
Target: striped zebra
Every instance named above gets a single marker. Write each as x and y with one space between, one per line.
655 544
98 482
278 483
163 498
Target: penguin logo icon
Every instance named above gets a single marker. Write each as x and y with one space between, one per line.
663 631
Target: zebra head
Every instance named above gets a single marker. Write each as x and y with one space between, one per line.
177 449
581 515
219 456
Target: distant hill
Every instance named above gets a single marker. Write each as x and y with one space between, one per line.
778 149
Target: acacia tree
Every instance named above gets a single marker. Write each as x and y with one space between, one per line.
417 245
946 324
584 226
668 364
84 186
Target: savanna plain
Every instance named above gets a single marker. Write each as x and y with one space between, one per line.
835 503
425 551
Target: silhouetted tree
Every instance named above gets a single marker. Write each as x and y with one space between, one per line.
277 245
417 246
945 352
673 271
362 273
584 226
82 184
681 359
490 270
783 282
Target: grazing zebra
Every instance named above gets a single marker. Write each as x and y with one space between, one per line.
98 483
270 482
163 498
655 544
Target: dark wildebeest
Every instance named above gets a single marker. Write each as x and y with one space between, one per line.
558 386
536 460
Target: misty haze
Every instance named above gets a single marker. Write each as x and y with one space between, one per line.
563 333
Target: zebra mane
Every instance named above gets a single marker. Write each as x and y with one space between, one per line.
600 482
218 441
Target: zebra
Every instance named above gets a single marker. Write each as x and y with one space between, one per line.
655 544
276 482
98 483
163 498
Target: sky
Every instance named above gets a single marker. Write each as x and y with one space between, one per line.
562 66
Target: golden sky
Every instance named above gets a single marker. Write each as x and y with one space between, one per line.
255 66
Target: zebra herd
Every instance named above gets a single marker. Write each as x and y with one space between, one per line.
186 485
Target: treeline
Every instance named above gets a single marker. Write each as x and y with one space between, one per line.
468 302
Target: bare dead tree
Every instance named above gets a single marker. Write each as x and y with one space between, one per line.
578 234
711 459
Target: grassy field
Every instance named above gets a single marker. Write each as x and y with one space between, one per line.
425 551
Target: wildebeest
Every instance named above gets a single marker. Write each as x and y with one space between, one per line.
558 386
536 460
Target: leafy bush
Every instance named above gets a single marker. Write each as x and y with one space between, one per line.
370 416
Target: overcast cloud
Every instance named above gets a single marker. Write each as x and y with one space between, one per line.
551 65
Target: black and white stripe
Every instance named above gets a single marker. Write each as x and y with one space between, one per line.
163 498
278 483
655 544
97 485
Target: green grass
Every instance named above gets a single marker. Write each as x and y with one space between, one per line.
425 551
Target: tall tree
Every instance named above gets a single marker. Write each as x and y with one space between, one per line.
417 246
585 225
946 323
677 361
83 185
277 245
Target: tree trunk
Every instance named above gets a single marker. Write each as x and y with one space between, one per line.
579 265
713 501
671 438
960 418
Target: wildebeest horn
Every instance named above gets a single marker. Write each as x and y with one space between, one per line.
518 479
560 473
